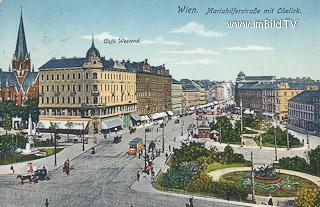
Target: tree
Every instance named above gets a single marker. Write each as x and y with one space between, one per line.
7 124
308 197
152 145
314 160
69 125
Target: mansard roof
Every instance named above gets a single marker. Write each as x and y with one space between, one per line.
304 97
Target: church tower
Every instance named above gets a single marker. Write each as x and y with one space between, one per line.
21 63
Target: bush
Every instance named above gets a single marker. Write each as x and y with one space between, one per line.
176 178
308 197
204 184
300 164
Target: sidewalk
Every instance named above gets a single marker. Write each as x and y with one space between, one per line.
70 152
145 183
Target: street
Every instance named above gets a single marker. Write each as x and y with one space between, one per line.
102 179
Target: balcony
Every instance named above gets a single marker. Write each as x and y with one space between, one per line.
95 93
73 93
56 93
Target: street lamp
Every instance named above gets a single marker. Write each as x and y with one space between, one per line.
275 142
163 139
288 146
241 123
181 127
145 150
82 136
55 149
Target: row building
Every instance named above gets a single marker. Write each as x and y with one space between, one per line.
97 94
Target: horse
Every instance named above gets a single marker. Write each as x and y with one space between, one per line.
24 177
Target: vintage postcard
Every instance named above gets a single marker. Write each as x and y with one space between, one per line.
159 103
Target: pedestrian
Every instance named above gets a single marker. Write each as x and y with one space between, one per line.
191 201
169 148
166 155
138 176
139 154
270 203
11 169
157 129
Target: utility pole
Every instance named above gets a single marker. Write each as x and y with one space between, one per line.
241 123
220 135
163 139
55 149
181 127
288 147
83 136
252 179
145 150
275 142
308 135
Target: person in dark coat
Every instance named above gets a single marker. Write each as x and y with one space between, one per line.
270 202
138 176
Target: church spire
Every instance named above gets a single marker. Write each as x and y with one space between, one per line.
21 47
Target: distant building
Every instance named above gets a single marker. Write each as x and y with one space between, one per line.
177 97
191 97
203 131
153 88
20 84
302 111
220 92
243 79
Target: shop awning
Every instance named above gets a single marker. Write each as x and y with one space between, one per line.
268 114
145 118
76 125
136 117
162 114
111 123
170 113
192 108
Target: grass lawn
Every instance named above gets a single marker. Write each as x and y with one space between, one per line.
217 166
267 144
169 163
275 191
14 159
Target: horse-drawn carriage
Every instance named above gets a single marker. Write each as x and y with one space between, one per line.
132 130
41 174
117 139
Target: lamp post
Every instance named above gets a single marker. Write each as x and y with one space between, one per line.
83 136
307 125
55 149
163 139
145 150
241 123
252 179
288 146
181 127
275 142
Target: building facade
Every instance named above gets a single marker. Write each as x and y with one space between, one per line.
301 111
89 89
177 97
153 89
20 84
270 99
191 96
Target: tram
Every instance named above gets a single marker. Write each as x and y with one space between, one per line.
135 145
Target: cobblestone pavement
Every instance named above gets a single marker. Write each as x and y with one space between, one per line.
102 179
108 178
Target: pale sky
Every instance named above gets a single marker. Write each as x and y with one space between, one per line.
192 45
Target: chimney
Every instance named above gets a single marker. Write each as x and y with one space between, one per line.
63 57
128 61
163 69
